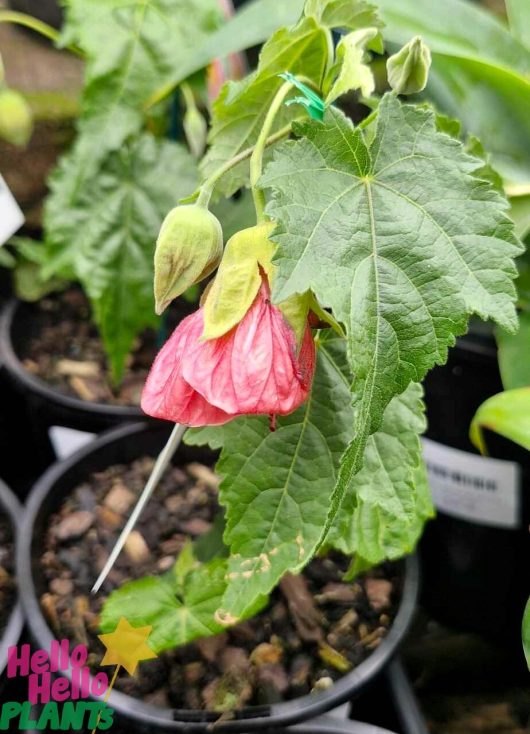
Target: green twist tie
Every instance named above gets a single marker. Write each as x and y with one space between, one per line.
311 101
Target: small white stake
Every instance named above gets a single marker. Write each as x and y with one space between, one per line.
159 468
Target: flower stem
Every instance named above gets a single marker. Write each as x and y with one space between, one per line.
209 185
256 159
159 468
12 16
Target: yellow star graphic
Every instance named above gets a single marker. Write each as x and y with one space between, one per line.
126 646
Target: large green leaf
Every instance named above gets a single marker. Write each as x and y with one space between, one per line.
507 414
276 486
239 111
132 47
103 234
383 518
491 102
180 606
399 239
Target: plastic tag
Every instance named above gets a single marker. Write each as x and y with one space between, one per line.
66 441
11 217
472 487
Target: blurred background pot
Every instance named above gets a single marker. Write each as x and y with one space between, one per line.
475 553
123 445
10 508
45 408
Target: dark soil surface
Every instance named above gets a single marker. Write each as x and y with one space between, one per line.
66 350
315 629
466 684
7 582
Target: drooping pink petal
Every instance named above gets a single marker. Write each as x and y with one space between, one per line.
166 394
253 369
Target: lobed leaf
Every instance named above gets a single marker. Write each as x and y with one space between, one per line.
179 612
132 48
399 239
383 513
103 233
276 486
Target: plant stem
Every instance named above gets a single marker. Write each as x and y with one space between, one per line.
189 99
12 16
159 468
256 159
209 185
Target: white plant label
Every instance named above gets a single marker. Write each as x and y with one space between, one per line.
11 217
66 441
474 488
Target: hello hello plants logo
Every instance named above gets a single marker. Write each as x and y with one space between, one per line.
56 703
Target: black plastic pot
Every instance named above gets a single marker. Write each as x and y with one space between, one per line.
9 506
407 708
122 445
46 406
328 725
48 11
475 572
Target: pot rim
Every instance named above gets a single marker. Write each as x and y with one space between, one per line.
34 384
13 509
255 717
330 725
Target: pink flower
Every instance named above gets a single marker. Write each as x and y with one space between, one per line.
253 369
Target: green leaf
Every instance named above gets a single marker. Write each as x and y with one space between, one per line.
103 233
514 350
29 283
519 18
276 486
241 107
256 21
454 28
384 511
520 213
132 47
526 633
350 70
350 14
399 239
480 73
6 259
178 613
507 414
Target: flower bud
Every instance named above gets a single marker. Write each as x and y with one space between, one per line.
16 122
189 247
196 130
408 69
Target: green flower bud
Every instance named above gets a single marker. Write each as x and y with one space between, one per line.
195 129
408 69
189 247
16 122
